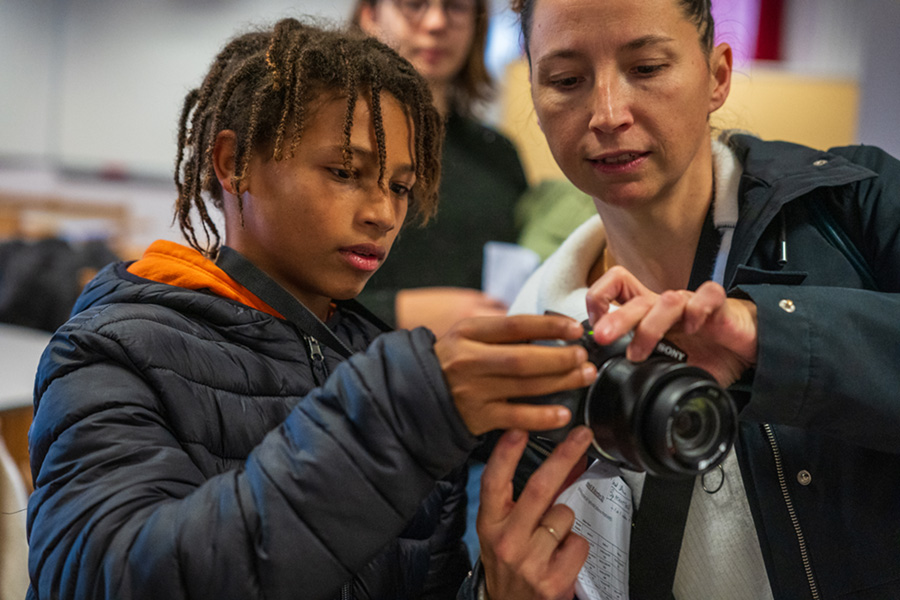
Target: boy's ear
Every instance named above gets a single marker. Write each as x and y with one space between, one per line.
223 159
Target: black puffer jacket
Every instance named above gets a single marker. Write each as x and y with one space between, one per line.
181 449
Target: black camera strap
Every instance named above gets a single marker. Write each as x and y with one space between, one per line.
658 526
269 291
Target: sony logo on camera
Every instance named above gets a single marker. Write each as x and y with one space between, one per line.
672 351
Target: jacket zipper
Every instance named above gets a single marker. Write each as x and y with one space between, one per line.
320 373
538 448
782 482
317 359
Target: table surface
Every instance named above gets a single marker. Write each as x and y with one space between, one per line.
20 351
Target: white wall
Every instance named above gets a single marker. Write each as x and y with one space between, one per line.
28 31
880 76
98 84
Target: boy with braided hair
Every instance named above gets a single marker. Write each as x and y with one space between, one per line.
223 420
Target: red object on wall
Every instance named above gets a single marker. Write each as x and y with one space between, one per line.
768 40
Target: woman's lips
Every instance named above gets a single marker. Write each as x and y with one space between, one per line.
619 162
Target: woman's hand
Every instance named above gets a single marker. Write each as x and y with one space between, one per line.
488 360
527 547
718 333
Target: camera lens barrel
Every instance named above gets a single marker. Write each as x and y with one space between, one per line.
660 416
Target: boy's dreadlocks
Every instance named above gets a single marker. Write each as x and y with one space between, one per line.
260 85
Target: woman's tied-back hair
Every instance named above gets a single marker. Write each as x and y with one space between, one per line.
698 12
260 86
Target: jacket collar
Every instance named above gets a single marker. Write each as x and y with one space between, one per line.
776 173
790 170
174 264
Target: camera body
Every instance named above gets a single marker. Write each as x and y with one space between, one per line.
659 415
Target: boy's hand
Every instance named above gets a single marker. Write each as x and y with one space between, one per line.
488 360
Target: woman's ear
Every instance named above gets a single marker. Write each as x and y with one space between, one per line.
223 159
366 18
720 64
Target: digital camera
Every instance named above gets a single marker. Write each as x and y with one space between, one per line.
659 415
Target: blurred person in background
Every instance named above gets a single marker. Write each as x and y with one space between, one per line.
435 274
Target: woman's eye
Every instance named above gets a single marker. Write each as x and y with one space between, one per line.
564 82
648 70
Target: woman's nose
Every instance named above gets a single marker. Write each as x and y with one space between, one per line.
611 105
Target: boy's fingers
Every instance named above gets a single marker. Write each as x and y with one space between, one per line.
530 417
518 328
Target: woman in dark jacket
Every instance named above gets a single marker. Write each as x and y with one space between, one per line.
774 266
222 422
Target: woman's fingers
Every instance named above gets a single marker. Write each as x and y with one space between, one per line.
496 479
528 547
545 483
666 312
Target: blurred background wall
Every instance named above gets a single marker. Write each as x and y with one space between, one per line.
90 91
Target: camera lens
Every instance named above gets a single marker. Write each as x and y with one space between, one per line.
660 416
695 426
690 424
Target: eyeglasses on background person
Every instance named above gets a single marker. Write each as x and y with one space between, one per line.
457 12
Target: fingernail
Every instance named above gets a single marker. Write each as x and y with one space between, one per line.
563 415
582 435
588 373
606 330
514 436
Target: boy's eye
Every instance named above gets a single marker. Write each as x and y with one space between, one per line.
400 189
342 173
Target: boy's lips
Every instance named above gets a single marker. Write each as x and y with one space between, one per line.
366 250
365 257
